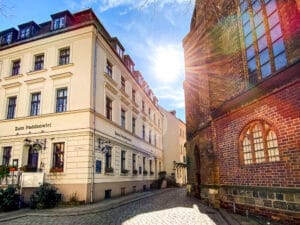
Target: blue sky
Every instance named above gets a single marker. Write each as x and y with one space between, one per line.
150 30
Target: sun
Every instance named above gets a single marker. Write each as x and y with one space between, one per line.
168 63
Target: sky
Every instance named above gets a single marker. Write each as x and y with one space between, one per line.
151 32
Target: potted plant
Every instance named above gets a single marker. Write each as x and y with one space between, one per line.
145 172
151 173
109 170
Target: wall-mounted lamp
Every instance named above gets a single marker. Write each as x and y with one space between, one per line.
37 144
102 145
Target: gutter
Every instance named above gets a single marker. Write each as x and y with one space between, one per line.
94 118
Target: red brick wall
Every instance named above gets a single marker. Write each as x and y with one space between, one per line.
282 111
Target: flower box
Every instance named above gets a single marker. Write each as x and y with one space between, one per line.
11 169
56 170
124 171
27 168
109 170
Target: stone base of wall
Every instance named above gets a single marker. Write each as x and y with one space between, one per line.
82 191
280 204
120 188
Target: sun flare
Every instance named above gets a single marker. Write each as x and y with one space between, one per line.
168 63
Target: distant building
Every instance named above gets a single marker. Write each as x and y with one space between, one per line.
242 105
74 111
174 140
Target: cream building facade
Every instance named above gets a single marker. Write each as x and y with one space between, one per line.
74 111
174 139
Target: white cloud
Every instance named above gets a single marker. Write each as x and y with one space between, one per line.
105 5
174 96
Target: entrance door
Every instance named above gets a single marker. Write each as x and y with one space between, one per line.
33 158
198 171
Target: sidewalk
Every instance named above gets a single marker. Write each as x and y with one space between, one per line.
81 209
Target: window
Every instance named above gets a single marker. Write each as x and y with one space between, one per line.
150 136
35 104
58 155
149 112
39 62
265 50
133 124
119 51
123 161
144 133
108 68
155 140
133 95
11 108
6 39
133 162
108 158
98 166
123 118
61 100
25 33
123 81
143 106
144 163
108 108
259 144
16 64
150 165
6 155
64 56
59 23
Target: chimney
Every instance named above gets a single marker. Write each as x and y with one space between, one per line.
173 112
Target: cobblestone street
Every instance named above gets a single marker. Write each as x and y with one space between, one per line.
171 207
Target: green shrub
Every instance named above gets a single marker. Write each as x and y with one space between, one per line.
45 196
4 172
9 199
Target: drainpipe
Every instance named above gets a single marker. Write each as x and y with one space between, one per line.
94 118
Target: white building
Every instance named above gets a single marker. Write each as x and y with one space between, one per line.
174 139
74 110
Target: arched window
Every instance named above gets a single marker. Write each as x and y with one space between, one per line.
258 144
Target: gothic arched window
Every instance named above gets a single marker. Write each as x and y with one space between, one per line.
258 143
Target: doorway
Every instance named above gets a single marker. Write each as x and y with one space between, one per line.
33 158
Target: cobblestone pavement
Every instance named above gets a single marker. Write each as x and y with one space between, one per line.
171 207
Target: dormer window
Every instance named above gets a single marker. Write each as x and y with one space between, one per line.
119 51
6 39
118 47
8 36
59 23
27 30
61 20
25 33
